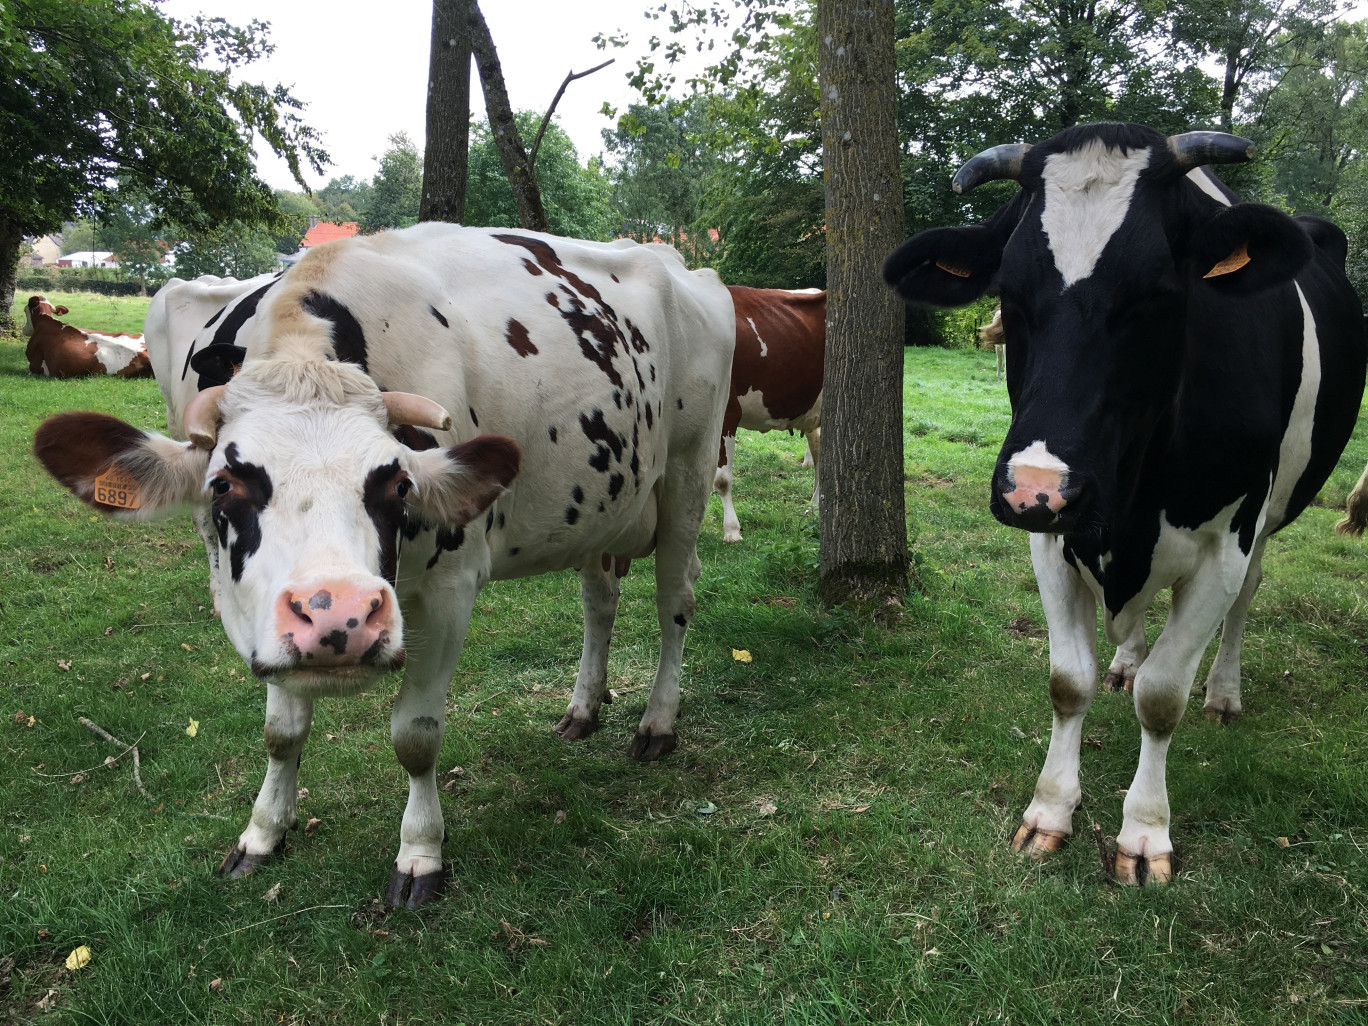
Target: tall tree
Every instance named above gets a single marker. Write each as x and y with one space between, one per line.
864 556
447 155
521 176
660 163
112 88
397 189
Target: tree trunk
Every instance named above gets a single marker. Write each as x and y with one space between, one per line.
446 156
502 126
863 525
1230 86
11 237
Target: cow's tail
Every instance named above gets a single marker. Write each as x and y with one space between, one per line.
1355 509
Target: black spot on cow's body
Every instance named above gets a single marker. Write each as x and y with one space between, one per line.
552 432
638 340
652 372
514 550
571 514
617 398
501 521
348 340
577 494
601 507
596 429
387 512
600 459
438 314
530 267
615 277
650 419
517 336
489 521
679 404
240 508
615 485
679 619
473 419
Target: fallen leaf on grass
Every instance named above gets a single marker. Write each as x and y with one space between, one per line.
273 893
64 664
560 816
312 826
1283 842
78 958
741 655
186 647
78 779
47 1000
20 717
145 676
768 808
216 984
193 729
704 807
514 939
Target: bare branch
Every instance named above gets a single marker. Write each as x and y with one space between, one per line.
536 143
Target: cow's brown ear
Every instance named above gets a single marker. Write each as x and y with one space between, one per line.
60 311
116 468
456 485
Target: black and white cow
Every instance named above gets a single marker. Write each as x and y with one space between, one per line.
356 520
1184 371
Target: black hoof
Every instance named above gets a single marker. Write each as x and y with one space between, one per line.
415 891
1123 680
238 863
571 729
650 747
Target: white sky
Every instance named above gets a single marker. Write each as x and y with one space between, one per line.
362 68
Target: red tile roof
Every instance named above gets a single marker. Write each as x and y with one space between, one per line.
326 231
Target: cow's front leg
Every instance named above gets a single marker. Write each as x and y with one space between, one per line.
1144 851
437 620
288 718
1129 655
1223 682
600 590
723 482
1071 612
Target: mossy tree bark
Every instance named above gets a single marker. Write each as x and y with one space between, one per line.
446 159
864 555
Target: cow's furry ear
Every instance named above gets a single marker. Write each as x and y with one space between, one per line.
945 266
454 486
118 469
1249 247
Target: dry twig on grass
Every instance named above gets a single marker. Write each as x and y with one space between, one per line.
137 761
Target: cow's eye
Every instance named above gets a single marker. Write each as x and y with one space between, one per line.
221 486
401 487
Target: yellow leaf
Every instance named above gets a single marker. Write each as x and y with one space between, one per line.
741 655
78 958
193 729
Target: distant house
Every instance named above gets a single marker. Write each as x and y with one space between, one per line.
43 251
88 258
320 232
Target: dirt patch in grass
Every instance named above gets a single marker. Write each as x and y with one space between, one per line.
1025 627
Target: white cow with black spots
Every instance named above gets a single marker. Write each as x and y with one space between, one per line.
585 384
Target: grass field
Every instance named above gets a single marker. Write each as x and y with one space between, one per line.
828 844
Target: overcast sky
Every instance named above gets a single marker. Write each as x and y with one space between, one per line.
362 68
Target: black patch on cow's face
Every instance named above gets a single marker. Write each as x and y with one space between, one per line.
448 540
386 509
473 419
607 441
552 432
571 514
238 503
321 599
335 640
438 314
227 332
517 336
348 340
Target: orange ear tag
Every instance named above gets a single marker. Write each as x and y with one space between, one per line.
958 272
118 488
1230 264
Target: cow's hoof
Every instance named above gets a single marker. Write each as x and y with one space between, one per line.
1120 680
649 747
1037 841
732 536
1224 711
572 729
411 891
1139 870
239 863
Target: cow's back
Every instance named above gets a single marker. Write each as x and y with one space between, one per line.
776 378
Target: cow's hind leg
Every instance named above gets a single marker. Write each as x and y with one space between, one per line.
288 719
813 457
439 615
1071 612
600 590
1223 682
1129 655
723 481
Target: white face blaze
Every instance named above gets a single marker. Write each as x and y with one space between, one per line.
1087 193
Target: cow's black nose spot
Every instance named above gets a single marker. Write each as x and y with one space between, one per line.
1042 499
322 599
353 622
335 640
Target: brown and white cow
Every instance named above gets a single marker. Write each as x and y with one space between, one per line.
776 381
58 350
357 520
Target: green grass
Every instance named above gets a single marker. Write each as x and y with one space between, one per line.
91 311
864 779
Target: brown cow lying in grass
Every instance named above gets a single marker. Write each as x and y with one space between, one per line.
57 350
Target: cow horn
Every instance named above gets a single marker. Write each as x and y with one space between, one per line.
417 410
201 417
991 165
1193 149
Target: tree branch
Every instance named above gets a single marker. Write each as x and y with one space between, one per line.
536 143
